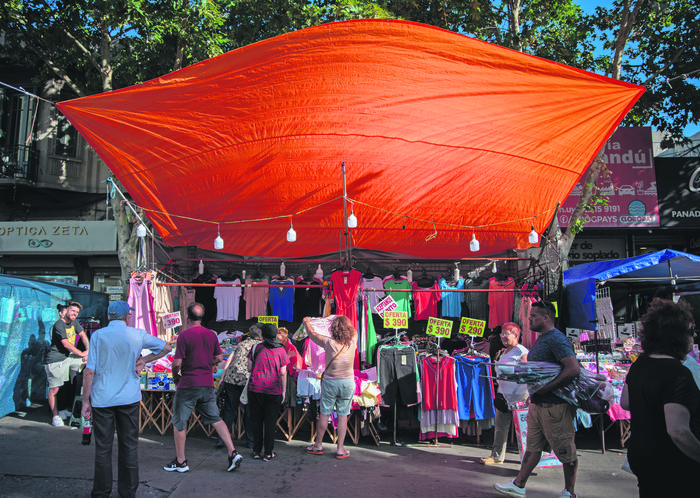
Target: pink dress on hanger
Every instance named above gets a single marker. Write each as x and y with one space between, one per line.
141 299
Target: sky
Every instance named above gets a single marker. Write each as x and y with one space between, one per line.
588 7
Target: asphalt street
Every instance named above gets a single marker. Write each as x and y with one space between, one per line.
38 460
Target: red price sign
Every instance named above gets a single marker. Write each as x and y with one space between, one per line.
470 326
440 328
395 320
268 319
385 305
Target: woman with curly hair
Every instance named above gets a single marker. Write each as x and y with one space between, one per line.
660 393
337 381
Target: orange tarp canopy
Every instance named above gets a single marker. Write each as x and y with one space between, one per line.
439 133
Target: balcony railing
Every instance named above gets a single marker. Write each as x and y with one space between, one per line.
19 161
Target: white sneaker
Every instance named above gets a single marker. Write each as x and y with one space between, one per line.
57 421
565 494
510 489
64 414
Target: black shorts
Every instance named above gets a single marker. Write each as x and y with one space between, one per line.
397 374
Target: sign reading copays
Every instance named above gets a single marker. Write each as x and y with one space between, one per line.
395 320
471 326
384 305
438 327
268 319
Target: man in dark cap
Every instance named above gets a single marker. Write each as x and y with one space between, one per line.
111 396
196 353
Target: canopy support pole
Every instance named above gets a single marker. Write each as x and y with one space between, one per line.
345 218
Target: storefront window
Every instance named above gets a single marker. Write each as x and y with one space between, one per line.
109 284
63 279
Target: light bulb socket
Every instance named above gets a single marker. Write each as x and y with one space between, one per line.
352 220
474 245
218 242
533 237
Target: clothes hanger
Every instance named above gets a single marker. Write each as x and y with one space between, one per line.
425 280
368 274
397 273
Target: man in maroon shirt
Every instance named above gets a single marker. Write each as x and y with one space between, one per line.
196 353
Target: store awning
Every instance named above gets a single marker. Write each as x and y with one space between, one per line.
657 268
439 133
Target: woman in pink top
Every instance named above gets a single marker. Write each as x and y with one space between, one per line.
337 380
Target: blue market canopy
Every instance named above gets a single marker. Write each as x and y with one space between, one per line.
656 268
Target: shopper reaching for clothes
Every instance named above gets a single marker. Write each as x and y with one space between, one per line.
337 380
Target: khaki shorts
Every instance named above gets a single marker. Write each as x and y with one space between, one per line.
59 372
552 426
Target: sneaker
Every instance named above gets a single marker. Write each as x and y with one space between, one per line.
269 457
510 489
176 466
256 456
565 494
491 461
64 414
57 421
234 461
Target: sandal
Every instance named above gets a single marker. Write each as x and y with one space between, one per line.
269 457
313 451
256 456
344 455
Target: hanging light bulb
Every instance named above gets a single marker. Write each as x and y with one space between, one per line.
291 234
409 275
352 219
282 269
201 267
218 241
141 231
533 238
494 269
319 272
474 245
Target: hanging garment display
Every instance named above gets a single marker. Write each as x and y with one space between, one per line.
445 413
604 314
205 296
227 300
282 299
426 303
346 286
451 301
398 375
163 304
403 299
255 298
141 299
373 297
474 391
500 303
307 301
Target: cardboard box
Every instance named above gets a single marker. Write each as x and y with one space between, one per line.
158 381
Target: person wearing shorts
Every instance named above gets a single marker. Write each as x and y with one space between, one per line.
196 354
338 380
64 359
550 420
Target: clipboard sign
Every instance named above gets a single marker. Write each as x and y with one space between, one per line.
520 422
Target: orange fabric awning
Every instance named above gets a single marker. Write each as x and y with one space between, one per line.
438 132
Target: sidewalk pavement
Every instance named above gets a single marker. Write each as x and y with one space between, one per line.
38 460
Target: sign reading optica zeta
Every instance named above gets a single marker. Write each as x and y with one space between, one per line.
470 326
387 304
268 319
395 320
172 320
440 328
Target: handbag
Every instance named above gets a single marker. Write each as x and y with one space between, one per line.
244 393
500 403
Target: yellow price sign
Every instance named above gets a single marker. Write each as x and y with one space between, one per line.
395 320
268 319
470 326
440 328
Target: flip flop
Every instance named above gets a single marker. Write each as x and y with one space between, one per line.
313 451
344 455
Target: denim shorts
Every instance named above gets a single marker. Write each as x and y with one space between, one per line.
338 393
187 399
